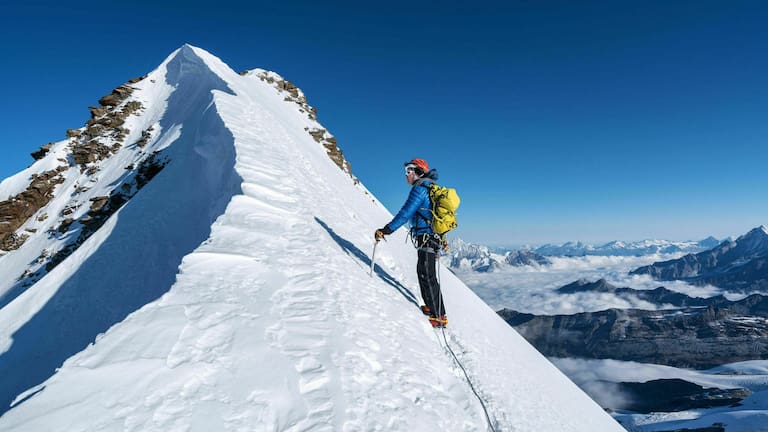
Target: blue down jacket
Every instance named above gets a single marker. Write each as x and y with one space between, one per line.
416 209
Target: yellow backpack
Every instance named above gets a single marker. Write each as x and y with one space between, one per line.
444 201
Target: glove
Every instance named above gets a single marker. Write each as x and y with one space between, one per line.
379 235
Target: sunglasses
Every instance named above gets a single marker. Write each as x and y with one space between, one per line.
409 170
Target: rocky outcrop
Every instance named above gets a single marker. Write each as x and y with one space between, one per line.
42 151
145 136
474 257
101 208
664 296
583 285
117 96
295 95
687 337
104 132
148 169
16 210
738 265
659 296
97 111
525 258
13 241
672 395
90 151
334 152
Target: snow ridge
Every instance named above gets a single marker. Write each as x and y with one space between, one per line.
133 259
271 322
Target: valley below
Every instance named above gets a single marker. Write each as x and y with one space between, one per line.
672 355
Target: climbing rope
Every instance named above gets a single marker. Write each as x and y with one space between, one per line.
447 345
485 409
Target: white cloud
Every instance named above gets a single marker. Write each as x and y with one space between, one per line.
533 289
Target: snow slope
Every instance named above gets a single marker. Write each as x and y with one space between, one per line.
271 321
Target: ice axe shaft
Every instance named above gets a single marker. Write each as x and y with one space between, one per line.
373 257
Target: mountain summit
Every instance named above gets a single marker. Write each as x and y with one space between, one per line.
738 265
196 257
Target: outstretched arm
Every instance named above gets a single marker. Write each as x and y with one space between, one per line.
415 197
410 207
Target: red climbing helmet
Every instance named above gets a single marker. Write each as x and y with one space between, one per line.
421 164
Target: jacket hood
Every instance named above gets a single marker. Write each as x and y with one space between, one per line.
432 175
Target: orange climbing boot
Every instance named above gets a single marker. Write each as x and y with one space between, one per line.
441 322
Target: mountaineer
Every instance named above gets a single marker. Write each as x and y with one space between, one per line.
418 211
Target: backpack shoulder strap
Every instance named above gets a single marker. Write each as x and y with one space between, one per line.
428 187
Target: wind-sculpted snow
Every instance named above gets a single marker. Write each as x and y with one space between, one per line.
273 322
133 260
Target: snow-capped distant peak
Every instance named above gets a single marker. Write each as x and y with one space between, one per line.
624 248
756 234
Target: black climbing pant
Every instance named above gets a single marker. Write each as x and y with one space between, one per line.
428 247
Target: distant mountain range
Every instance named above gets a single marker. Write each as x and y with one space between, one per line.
697 337
660 296
475 257
698 332
690 332
738 265
620 248
468 256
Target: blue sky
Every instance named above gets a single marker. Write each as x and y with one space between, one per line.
556 121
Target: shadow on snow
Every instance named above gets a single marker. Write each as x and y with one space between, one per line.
139 259
355 252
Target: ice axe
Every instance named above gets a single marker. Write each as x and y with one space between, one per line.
373 257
